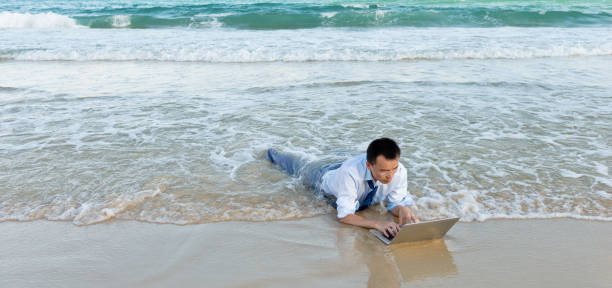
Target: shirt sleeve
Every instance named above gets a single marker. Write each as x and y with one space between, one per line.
399 193
345 187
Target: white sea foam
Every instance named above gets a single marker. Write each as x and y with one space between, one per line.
82 138
328 14
544 216
67 209
208 20
214 15
570 174
474 205
91 213
121 21
42 20
221 45
191 53
604 180
355 5
602 169
380 14
494 135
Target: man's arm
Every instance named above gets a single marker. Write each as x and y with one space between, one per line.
399 199
347 204
385 227
404 214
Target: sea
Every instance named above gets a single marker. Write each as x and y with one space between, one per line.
161 111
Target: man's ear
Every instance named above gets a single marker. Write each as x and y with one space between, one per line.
369 165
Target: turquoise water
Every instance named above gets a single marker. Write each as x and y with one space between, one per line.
313 14
502 108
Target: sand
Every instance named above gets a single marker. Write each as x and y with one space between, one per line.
303 253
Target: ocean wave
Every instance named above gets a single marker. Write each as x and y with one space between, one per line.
373 18
332 44
415 18
300 16
247 55
121 21
156 206
43 20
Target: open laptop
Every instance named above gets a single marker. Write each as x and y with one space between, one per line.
425 230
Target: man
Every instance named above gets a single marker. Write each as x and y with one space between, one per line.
360 182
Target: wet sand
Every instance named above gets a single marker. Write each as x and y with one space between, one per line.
304 253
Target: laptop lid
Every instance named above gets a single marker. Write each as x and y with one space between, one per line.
425 230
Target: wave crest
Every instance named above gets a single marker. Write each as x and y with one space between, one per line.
246 55
42 20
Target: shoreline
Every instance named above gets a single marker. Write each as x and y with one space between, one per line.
305 252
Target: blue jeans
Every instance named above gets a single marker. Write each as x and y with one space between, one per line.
312 174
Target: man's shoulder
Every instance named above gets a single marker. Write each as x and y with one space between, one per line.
401 176
357 160
401 166
354 166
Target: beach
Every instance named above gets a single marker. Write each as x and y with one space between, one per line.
308 252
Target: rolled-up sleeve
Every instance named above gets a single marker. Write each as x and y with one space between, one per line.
345 187
399 193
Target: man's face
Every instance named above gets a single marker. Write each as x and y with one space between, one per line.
384 169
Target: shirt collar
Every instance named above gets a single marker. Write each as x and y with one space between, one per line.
368 173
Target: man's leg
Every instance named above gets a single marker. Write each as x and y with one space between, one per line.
312 174
312 177
292 166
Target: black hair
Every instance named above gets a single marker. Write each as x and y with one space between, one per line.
382 146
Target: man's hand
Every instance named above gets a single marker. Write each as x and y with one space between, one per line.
388 228
405 215
385 227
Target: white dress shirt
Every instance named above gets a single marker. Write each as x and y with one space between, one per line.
349 184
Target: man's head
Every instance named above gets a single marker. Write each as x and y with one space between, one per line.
383 159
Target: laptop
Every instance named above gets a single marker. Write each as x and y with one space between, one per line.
425 230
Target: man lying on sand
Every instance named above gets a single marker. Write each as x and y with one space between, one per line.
359 182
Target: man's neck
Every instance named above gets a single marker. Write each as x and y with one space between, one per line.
373 178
